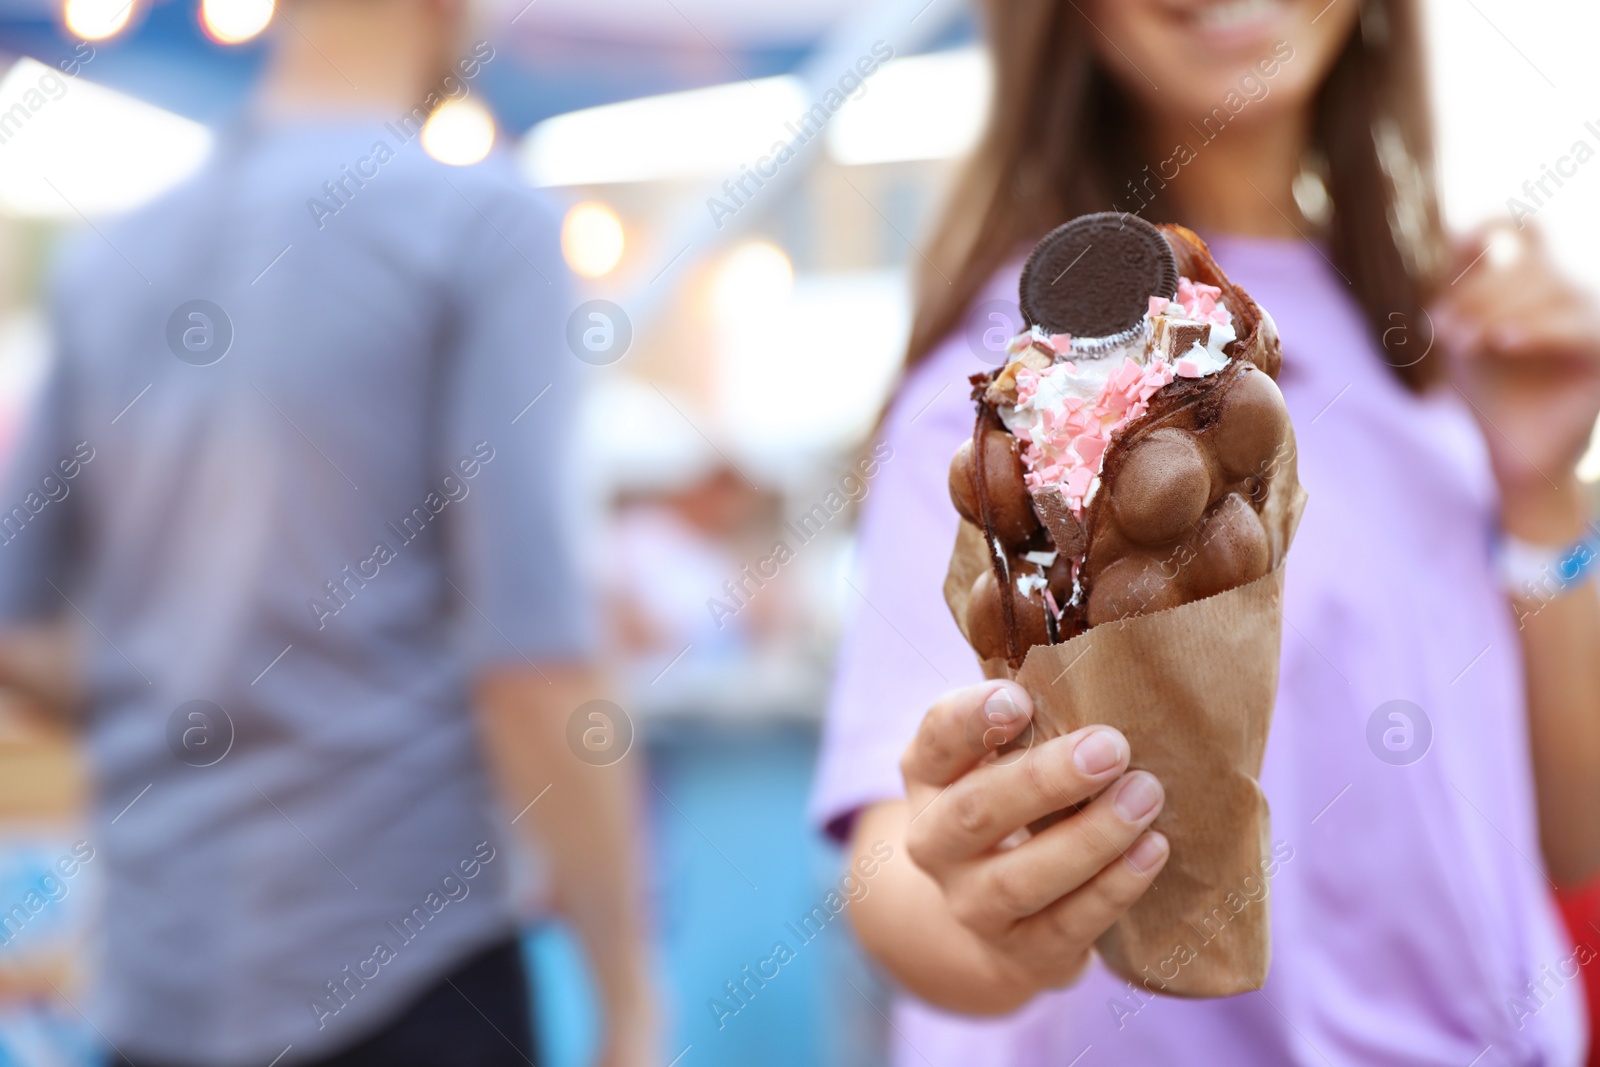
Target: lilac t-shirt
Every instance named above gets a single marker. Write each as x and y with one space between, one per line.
1412 911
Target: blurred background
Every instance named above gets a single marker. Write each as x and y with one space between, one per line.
763 319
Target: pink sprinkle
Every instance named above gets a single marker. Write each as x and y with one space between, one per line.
1199 302
1068 445
1060 343
1090 449
1125 375
1188 368
1189 290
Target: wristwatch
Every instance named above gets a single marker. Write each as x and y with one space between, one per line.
1539 572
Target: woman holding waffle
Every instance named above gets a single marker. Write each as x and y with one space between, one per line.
1433 766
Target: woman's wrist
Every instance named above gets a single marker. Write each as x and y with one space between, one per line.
1549 544
1551 515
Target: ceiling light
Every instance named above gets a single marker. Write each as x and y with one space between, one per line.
234 21
592 239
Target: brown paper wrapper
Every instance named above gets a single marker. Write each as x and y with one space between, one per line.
1192 688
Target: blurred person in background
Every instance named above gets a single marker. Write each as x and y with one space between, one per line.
704 616
288 493
1411 908
669 544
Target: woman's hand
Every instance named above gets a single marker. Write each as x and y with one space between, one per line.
1524 348
986 916
1523 344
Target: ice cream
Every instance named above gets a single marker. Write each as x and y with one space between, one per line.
1067 410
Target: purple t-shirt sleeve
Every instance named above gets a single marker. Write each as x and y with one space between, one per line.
901 648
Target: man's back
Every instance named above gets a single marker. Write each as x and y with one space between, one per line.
310 496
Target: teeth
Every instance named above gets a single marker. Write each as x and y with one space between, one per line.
1233 13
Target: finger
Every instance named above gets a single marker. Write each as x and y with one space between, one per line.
1495 274
1522 286
1487 292
1466 251
1475 253
996 893
1562 331
1495 244
1531 307
986 806
1080 918
963 727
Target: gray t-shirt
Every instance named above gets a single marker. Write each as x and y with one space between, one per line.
320 525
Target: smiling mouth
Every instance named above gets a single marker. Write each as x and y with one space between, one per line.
1231 17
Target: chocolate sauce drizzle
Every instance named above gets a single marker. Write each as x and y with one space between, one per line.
1002 572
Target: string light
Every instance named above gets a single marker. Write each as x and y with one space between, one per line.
459 133
95 20
235 21
592 239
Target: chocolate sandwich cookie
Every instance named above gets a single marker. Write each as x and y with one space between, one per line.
1094 276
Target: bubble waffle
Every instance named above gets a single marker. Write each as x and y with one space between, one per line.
1130 471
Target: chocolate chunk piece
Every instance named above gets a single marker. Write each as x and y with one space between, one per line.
1066 532
1173 337
1094 276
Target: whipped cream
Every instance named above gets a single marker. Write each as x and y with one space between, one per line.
1028 584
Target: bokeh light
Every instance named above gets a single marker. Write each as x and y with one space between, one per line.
459 133
592 239
234 21
756 279
95 20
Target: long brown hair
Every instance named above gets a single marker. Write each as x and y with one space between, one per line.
1056 146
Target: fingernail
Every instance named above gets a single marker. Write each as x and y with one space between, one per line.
1147 853
1137 797
1000 709
1097 753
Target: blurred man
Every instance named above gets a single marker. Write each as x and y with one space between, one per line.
293 482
